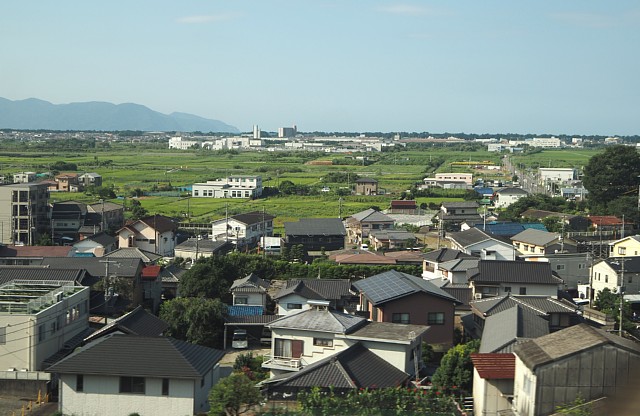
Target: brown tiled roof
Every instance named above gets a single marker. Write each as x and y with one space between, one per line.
160 223
495 366
363 259
605 220
35 251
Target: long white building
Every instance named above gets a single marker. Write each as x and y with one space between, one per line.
230 187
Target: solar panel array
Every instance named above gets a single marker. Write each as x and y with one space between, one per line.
383 287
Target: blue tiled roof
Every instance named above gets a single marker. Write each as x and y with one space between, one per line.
510 228
244 310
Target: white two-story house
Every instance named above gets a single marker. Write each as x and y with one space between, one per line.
243 229
156 234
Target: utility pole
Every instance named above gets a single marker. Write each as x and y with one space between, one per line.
340 207
623 260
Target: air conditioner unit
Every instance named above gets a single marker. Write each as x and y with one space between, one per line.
477 296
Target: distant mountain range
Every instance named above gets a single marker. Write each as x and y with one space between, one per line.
34 114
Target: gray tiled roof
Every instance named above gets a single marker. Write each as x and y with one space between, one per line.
541 305
536 237
631 264
445 254
317 289
125 267
10 273
388 331
203 246
355 367
103 239
254 217
251 319
371 215
504 271
160 357
512 191
315 226
136 322
392 235
320 320
567 342
135 253
392 285
252 281
503 329
459 265
460 204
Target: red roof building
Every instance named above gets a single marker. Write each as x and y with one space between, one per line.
495 366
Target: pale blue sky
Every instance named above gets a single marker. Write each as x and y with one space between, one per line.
557 67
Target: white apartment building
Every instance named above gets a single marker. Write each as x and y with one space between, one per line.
37 319
556 174
545 142
180 143
466 177
230 187
24 177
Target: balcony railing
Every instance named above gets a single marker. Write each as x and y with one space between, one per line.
283 363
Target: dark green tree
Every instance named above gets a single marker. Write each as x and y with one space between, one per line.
611 175
195 319
210 277
456 369
233 396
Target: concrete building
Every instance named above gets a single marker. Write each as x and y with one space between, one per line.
23 212
180 143
284 132
37 319
552 142
556 174
24 177
230 187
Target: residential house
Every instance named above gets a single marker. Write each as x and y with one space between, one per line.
413 257
353 368
243 229
452 214
611 224
66 219
24 213
493 376
237 186
67 182
361 224
31 255
24 177
250 290
402 298
391 239
136 322
151 287
366 186
507 196
616 272
626 247
90 179
193 249
532 242
307 337
296 294
316 234
363 258
156 376
480 243
579 361
40 316
572 268
96 245
146 257
558 314
455 271
504 329
433 259
107 215
499 277
156 233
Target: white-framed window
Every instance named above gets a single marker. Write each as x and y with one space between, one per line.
622 250
323 342
241 300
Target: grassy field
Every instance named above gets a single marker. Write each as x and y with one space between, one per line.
126 169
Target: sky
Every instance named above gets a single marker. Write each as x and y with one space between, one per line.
543 67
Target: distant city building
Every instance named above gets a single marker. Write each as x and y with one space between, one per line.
230 187
556 174
180 143
284 132
545 142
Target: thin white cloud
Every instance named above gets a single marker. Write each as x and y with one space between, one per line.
405 10
200 19
589 20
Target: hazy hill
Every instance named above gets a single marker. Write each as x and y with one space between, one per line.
32 114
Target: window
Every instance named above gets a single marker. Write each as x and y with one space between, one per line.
294 305
79 382
287 348
606 278
582 266
195 192
435 318
3 335
165 386
523 290
323 342
241 300
622 250
133 385
507 289
400 318
41 332
559 266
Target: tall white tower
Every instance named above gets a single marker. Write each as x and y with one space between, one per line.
256 131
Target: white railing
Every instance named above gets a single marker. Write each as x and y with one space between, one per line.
288 362
24 375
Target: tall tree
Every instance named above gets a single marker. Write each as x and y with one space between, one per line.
456 369
196 320
611 175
